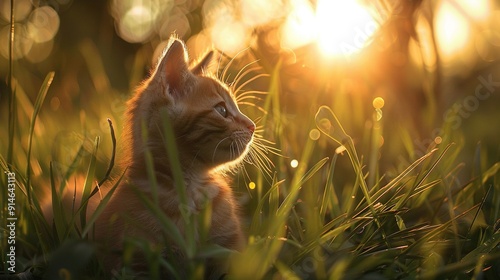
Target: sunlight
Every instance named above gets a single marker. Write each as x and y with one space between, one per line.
344 27
453 27
300 25
479 10
452 30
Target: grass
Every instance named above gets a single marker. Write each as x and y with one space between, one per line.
342 213
303 224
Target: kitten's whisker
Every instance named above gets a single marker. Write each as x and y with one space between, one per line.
264 140
268 149
241 75
251 97
226 68
255 160
217 146
251 93
246 72
259 128
249 81
252 104
246 177
262 159
219 62
226 82
194 158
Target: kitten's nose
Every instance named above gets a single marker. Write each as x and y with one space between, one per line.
248 124
251 127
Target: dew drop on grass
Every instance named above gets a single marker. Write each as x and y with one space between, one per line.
340 149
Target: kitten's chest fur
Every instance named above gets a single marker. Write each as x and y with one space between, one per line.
201 191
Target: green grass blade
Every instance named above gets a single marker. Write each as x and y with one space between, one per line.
100 208
38 105
10 86
58 216
330 199
403 200
486 247
71 169
177 172
87 186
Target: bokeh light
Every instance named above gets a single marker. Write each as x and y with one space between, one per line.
260 12
35 30
40 51
294 163
229 35
378 103
135 19
227 32
22 9
314 134
177 23
43 24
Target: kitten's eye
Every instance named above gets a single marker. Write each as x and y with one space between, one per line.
221 109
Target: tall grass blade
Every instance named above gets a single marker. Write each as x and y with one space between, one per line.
113 154
59 218
71 169
10 86
38 105
418 183
330 199
87 186
100 208
328 123
177 172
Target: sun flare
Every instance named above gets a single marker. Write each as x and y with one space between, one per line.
339 28
344 27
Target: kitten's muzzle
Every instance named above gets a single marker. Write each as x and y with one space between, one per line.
251 128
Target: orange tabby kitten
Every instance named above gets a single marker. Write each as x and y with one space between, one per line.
210 132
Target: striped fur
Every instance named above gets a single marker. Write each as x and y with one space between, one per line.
206 139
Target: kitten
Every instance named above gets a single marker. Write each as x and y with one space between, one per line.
210 133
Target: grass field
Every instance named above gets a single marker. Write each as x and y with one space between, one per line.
356 186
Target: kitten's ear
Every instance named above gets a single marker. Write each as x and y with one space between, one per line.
173 66
203 64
